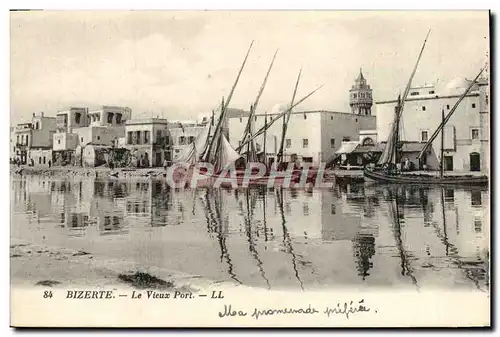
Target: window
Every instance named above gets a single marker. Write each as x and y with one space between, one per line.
22 139
138 137
423 108
37 125
146 137
305 143
354 95
356 119
39 160
81 139
110 117
98 137
431 92
475 198
368 141
288 143
77 117
17 139
415 93
158 136
424 136
129 137
44 160
305 116
333 209
27 138
118 118
58 141
473 105
332 142
346 139
447 107
182 140
241 120
331 117
475 133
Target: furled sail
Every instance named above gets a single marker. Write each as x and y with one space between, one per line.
390 150
389 153
193 152
226 155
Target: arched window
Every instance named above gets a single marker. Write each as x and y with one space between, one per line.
368 141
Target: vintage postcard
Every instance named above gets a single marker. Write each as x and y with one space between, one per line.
250 168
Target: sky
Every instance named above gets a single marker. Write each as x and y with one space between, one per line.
180 64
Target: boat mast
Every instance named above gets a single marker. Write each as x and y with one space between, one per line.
246 134
262 129
217 134
441 172
264 156
286 119
389 153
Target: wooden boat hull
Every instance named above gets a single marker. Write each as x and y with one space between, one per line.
381 177
290 180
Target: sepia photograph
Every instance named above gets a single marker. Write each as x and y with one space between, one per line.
249 168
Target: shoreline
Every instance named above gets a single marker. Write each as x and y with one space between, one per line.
44 266
151 172
160 173
101 172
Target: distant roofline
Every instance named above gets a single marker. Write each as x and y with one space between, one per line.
99 107
153 120
310 112
428 97
66 109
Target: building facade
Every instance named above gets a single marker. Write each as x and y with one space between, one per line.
313 136
99 135
34 135
466 135
110 116
181 135
70 118
148 140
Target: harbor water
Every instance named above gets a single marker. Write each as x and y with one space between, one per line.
350 235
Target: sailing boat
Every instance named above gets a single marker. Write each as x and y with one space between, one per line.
214 148
387 171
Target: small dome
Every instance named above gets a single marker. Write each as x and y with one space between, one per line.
279 108
456 86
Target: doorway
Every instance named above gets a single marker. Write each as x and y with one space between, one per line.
158 161
475 162
448 163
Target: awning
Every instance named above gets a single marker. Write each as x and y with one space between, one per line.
347 147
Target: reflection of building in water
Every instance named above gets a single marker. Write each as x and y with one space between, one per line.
442 234
35 197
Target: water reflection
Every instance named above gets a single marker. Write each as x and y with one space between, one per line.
271 238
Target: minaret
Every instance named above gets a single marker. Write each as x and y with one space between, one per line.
360 96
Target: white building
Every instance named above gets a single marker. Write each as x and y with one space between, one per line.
36 134
148 138
466 135
108 115
313 136
181 135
